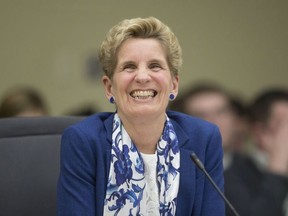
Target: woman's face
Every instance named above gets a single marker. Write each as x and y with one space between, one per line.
142 80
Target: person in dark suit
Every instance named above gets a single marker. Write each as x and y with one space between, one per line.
136 161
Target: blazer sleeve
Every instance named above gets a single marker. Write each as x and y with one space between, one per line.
213 204
76 184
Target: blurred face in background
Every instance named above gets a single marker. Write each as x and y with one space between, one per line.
275 129
278 117
214 107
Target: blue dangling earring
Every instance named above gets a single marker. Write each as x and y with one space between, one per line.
171 97
112 100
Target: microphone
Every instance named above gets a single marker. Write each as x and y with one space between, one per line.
200 165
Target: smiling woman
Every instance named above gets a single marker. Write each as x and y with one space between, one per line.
141 85
136 160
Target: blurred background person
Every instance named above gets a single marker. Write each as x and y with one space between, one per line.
267 177
23 101
242 137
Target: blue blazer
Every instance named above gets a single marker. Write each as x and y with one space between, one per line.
85 162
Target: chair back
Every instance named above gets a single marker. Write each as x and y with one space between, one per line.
29 164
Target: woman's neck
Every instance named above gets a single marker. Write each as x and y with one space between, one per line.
145 133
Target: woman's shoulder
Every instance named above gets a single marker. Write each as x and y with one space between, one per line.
197 135
188 122
194 129
93 123
93 132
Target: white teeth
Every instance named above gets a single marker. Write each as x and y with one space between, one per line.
143 94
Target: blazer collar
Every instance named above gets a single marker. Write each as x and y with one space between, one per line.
108 124
181 134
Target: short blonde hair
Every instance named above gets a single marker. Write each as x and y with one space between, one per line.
139 28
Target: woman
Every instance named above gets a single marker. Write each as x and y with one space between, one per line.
136 161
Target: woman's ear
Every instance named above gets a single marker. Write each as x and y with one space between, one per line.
175 85
107 86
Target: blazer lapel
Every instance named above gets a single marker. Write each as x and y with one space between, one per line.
186 193
108 124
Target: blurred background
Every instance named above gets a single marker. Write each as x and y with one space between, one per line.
52 45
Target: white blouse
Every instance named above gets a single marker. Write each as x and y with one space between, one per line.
151 191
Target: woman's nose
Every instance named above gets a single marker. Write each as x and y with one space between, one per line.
142 75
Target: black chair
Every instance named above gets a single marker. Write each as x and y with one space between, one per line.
29 164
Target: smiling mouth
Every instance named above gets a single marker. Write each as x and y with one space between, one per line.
143 94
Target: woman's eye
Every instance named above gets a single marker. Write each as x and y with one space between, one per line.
155 67
129 68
